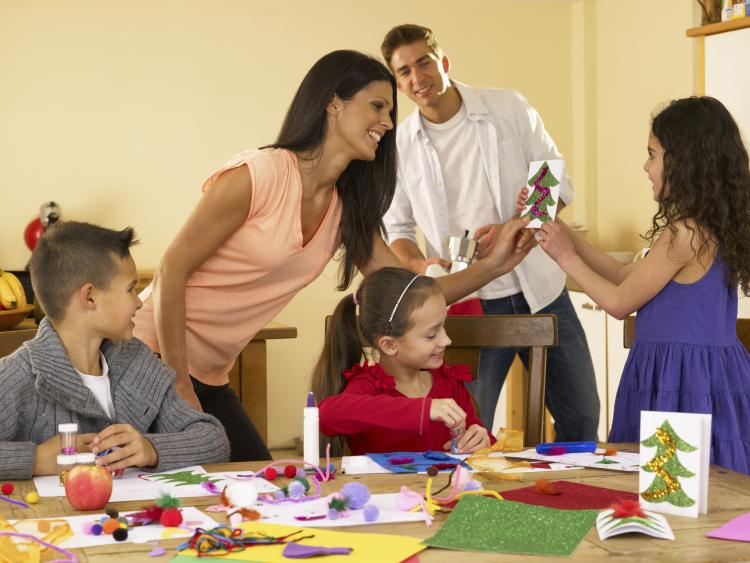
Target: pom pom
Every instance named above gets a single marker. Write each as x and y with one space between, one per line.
96 529
270 473
432 471
166 500
472 485
171 517
304 482
32 497
123 520
278 495
110 525
331 468
121 534
7 488
610 451
371 513
112 513
296 490
301 472
103 519
333 514
86 528
545 487
290 471
241 494
627 509
356 495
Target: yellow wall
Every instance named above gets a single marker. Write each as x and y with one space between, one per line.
119 110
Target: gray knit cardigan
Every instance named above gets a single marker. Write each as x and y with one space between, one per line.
39 389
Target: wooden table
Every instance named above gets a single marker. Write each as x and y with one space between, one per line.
729 496
248 378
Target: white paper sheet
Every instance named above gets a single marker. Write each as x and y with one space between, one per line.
622 461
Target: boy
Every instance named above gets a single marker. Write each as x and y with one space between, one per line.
84 366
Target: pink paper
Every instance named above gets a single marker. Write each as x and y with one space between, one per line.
735 530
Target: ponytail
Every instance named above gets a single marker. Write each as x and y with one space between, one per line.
341 350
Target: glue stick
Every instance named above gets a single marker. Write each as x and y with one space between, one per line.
310 431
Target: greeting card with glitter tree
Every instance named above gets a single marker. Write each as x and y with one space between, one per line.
544 184
675 449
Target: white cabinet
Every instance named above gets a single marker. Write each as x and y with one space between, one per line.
605 339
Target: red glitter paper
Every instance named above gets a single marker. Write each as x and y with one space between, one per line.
572 496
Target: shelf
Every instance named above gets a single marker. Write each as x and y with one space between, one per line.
719 27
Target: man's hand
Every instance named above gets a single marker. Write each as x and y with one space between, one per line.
133 450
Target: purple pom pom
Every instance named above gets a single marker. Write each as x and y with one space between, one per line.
301 472
96 529
296 490
371 513
472 485
333 514
356 495
278 495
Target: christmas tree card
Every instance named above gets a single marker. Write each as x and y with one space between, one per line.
544 191
622 520
675 450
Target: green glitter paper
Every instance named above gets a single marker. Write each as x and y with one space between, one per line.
503 526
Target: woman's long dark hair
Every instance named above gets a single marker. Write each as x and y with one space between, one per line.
707 173
365 188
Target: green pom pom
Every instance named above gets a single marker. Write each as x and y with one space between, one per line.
337 504
304 482
166 500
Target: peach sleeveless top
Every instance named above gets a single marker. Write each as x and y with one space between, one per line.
255 272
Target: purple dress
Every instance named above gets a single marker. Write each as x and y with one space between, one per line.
686 357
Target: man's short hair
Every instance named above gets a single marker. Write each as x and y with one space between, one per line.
404 35
71 254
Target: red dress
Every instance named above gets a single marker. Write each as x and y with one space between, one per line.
376 417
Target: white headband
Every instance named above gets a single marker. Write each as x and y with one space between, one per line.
400 297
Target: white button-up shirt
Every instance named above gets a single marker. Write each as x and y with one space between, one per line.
511 135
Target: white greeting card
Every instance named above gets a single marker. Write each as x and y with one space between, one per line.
649 523
620 461
544 191
675 451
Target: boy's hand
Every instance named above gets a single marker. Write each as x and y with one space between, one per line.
45 460
476 437
448 412
133 450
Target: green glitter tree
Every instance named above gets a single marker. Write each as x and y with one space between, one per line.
541 197
667 467
180 478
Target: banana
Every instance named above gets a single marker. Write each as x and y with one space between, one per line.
7 297
16 287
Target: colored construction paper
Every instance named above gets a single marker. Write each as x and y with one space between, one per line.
503 526
419 463
737 529
366 548
573 496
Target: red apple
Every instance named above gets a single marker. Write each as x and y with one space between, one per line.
88 487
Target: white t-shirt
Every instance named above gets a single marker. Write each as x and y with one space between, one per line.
467 188
99 386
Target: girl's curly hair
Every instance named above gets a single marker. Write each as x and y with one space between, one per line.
706 168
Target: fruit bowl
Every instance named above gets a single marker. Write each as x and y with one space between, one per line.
11 317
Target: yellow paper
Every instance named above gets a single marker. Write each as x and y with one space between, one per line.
508 440
366 548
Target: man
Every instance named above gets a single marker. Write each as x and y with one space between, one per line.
463 156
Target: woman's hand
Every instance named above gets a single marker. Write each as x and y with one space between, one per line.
475 438
45 460
556 242
523 195
448 412
133 450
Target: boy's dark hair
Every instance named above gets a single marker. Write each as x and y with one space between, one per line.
377 297
706 169
404 35
71 254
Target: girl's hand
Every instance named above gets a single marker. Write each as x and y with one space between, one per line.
448 412
475 438
556 242
133 450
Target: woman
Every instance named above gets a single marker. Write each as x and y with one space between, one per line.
268 223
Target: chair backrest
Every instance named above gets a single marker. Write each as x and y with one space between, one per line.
743 332
537 332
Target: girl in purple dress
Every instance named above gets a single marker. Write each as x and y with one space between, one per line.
686 356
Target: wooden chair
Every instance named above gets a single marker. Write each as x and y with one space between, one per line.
536 332
743 332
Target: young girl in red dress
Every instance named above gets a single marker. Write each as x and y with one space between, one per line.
410 400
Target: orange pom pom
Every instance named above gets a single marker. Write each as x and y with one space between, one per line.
610 451
110 525
545 487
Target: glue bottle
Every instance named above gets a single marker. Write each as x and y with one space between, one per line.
311 431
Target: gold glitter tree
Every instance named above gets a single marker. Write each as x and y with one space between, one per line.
666 465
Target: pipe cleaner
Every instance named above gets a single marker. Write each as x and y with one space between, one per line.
12 549
319 474
223 540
